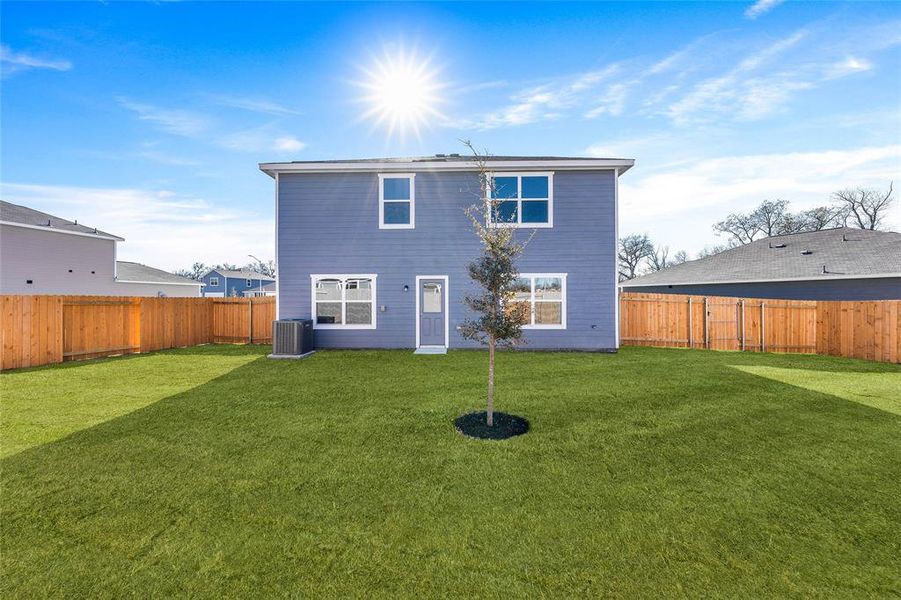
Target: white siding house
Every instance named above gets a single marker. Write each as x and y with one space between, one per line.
43 254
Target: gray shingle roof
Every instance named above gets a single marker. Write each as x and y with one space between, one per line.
443 158
15 213
241 274
844 252
132 271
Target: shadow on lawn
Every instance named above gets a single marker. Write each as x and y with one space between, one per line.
315 464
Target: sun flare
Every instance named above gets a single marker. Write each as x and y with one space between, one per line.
403 94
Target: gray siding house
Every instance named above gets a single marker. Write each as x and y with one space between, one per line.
833 264
376 251
44 254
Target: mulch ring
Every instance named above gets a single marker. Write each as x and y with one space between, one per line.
505 426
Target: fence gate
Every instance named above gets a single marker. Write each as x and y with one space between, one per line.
723 330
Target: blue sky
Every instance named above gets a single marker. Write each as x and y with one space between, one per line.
149 119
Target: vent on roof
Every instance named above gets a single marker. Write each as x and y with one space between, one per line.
454 155
806 252
440 155
779 245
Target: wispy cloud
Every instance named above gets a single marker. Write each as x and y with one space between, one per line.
260 105
13 62
760 7
757 86
542 102
176 121
162 228
265 138
199 126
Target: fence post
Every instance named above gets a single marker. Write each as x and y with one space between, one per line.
763 326
742 325
690 343
706 331
250 321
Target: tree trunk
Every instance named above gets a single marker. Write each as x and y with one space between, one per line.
490 381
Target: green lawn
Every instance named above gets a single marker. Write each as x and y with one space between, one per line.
213 472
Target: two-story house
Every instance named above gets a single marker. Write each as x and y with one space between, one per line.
220 283
375 251
44 254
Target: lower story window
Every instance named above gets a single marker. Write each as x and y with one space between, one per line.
343 301
544 297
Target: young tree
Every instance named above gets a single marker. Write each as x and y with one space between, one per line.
865 207
499 317
633 249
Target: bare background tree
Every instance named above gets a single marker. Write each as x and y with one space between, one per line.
499 318
199 269
865 207
633 250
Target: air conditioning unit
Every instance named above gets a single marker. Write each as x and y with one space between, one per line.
292 338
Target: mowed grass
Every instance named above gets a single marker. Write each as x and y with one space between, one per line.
651 473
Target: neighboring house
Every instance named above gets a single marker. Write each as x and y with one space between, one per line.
833 264
267 290
223 282
375 251
44 254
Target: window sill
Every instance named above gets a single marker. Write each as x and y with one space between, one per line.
523 225
382 226
527 327
340 327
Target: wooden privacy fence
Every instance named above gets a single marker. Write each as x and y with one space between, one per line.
869 330
39 330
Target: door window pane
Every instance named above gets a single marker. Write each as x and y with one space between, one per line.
431 297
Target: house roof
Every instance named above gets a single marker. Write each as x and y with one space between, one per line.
22 216
241 274
841 253
127 271
446 162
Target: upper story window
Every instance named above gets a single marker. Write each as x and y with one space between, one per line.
214 282
248 283
397 201
343 301
545 295
522 199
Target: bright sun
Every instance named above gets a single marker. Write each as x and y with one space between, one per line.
403 94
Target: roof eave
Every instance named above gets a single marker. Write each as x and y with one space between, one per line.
51 229
828 276
587 164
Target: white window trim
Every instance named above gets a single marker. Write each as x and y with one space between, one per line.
419 279
533 301
519 200
412 201
343 277
248 283
214 282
